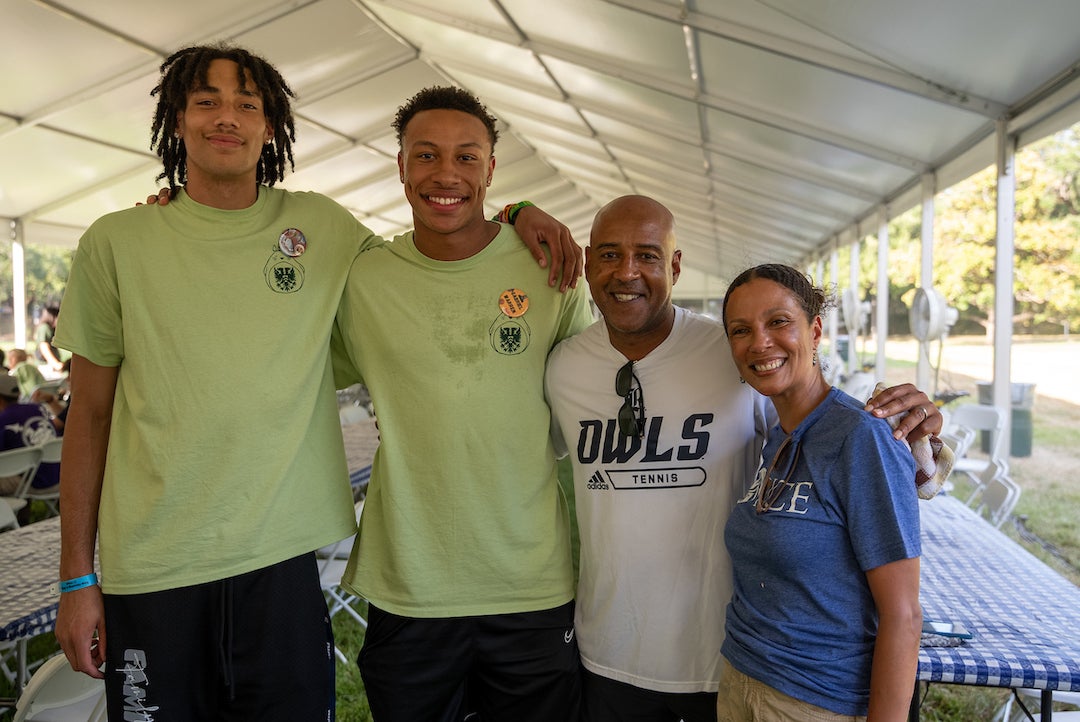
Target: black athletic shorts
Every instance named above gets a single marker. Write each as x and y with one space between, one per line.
608 700
258 646
521 667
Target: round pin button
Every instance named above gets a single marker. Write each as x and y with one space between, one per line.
513 302
292 242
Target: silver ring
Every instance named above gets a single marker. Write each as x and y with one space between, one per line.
924 413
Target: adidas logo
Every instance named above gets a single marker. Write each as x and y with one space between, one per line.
596 481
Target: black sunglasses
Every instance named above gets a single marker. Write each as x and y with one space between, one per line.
632 411
771 486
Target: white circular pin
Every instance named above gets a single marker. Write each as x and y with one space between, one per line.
292 242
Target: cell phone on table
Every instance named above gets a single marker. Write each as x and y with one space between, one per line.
945 629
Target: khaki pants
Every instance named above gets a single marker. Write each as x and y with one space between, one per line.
745 699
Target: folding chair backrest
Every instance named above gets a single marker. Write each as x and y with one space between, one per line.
958 438
995 468
57 692
51 449
998 499
982 417
22 462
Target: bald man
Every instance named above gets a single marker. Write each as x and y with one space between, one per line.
663 438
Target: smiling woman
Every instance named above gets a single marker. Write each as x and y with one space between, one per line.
833 488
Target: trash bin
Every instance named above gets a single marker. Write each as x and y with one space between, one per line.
1021 432
843 350
1022 397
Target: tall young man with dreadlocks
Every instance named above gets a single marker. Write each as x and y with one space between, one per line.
207 489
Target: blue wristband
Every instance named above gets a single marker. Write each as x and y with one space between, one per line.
70 585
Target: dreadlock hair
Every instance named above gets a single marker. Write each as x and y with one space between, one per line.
185 70
813 300
444 98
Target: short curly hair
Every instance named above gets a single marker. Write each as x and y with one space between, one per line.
444 98
813 300
185 70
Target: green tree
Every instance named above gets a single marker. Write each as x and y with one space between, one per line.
1046 264
47 269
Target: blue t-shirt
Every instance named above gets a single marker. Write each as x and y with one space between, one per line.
802 618
25 425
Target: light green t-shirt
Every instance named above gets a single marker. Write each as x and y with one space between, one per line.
225 451
464 515
29 377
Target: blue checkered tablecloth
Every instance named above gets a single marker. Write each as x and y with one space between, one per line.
29 563
1025 617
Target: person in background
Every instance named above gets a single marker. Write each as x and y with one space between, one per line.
463 551
824 620
662 437
24 425
205 501
55 402
27 373
44 349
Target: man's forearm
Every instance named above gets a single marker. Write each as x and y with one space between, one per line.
81 473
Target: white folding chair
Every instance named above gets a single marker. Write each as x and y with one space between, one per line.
332 561
57 693
997 499
979 417
958 438
1032 699
51 450
48 452
994 468
22 463
7 516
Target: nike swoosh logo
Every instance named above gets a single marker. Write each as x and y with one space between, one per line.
568 636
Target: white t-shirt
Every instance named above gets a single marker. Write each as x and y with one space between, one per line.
655 576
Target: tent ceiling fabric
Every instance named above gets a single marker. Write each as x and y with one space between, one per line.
772 128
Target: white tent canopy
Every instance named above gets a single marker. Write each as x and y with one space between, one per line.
772 128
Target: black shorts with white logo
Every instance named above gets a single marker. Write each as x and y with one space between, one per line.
521 667
257 646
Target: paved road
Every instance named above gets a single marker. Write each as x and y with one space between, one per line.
1053 366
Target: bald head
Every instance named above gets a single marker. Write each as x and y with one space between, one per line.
640 212
631 265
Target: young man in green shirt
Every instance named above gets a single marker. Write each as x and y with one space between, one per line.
463 551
